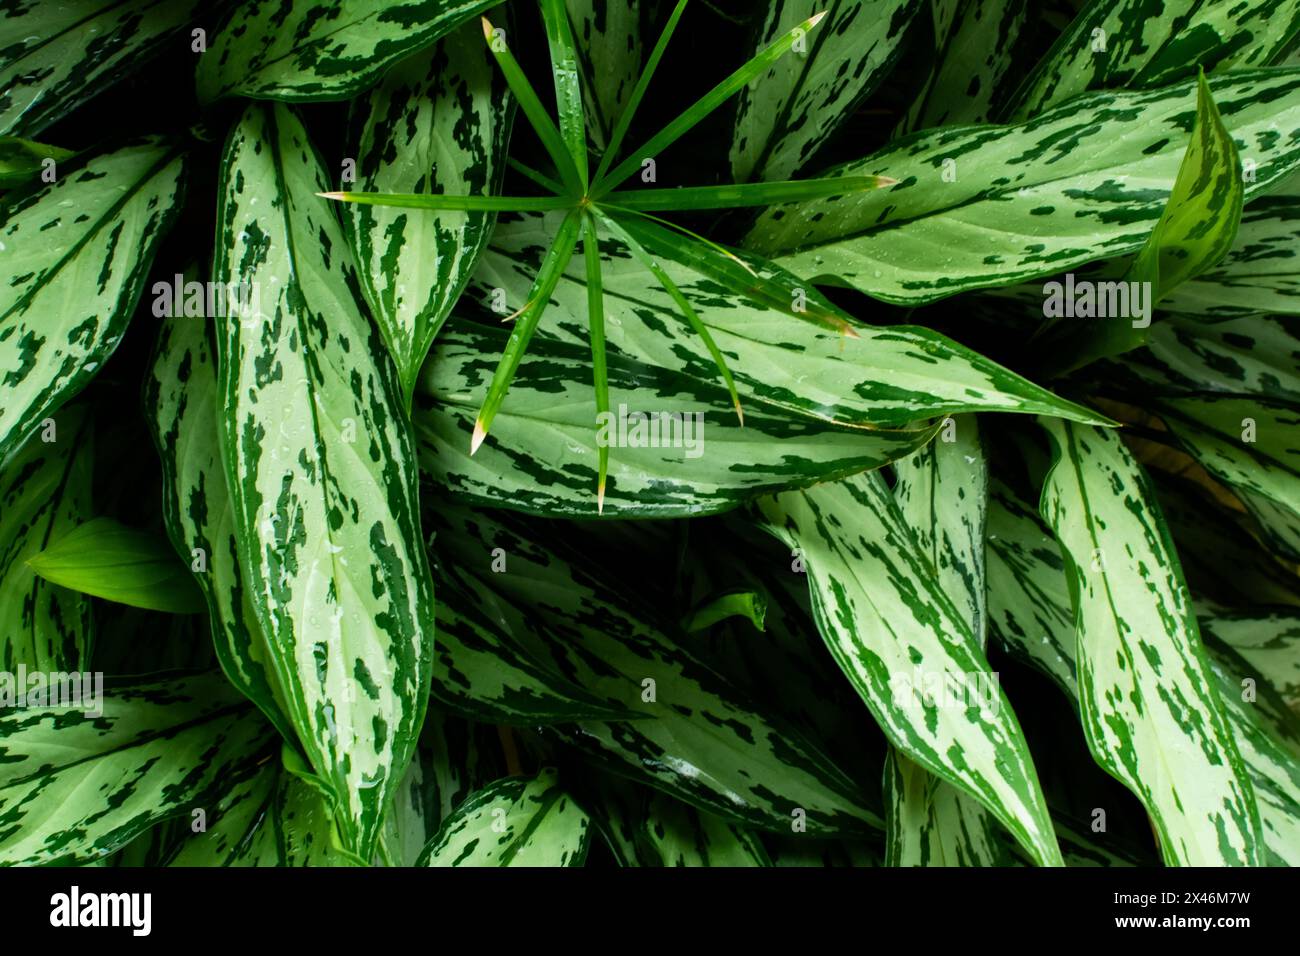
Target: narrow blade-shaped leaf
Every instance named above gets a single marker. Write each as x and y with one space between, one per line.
568 84
533 109
539 296
746 194
628 112
706 104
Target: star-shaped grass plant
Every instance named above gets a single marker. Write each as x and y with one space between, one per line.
593 200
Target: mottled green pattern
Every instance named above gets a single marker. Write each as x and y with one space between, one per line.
1258 355
1268 736
1149 43
697 736
1261 272
610 39
517 821
1247 442
322 477
646 828
271 819
942 492
438 123
1028 592
981 206
185 412
798 354
1269 641
932 823
894 632
454 759
542 453
1150 711
1199 224
76 254
975 43
55 56
44 492
281 50
74 787
786 113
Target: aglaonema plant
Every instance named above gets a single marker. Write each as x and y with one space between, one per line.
987 555
592 200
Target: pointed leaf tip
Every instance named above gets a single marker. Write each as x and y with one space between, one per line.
487 28
600 498
816 19
479 434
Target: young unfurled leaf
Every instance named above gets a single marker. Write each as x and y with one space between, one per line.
109 560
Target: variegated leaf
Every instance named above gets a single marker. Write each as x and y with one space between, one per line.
44 493
297 52
489 666
975 46
185 413
1150 712
455 758
1248 442
321 468
898 636
1269 641
697 736
438 123
932 823
645 828
1147 43
1258 355
1260 273
541 456
845 373
517 821
1268 734
271 819
55 56
942 492
982 206
788 111
75 786
77 252
610 39
1028 592
1211 536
